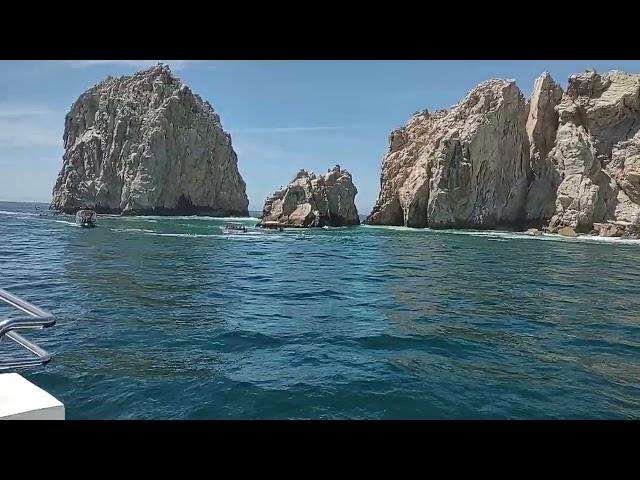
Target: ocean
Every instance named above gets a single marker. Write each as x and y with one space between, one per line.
170 318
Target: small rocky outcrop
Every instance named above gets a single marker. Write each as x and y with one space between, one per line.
145 144
609 229
312 200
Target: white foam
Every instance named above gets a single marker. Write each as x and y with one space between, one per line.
231 219
394 227
256 236
594 239
5 212
184 217
544 237
142 230
181 235
512 235
68 223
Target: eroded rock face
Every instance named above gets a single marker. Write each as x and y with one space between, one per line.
467 167
146 144
542 128
596 150
609 229
563 159
312 200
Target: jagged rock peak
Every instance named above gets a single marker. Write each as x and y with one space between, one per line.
145 143
542 127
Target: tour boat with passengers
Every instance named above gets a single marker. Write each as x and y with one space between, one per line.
86 218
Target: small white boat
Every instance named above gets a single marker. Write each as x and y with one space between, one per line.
86 218
234 228
271 226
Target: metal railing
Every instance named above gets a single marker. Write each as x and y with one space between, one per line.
35 318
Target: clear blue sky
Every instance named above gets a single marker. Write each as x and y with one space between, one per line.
282 115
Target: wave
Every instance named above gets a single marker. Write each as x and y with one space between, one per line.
119 217
181 235
544 237
253 236
142 230
184 217
73 224
396 227
511 235
248 232
6 212
594 239
231 219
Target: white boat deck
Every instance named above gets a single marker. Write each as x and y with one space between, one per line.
22 400
19 398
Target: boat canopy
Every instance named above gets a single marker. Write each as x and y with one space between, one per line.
271 225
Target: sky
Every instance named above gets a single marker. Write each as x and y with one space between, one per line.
282 115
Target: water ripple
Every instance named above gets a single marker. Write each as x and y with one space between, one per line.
170 318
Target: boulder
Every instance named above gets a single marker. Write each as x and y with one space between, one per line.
566 232
312 200
609 229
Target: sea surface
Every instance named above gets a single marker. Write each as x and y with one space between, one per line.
171 318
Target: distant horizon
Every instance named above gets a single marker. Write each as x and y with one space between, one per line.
282 115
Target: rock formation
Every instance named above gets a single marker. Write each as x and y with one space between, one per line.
312 200
597 151
542 127
146 144
563 159
467 167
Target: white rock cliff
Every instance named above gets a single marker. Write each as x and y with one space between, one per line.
597 149
145 144
467 167
562 159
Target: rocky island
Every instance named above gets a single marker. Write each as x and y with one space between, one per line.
312 200
145 144
563 161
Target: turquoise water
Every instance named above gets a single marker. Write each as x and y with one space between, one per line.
172 318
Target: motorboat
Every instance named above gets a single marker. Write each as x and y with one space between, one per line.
86 218
234 228
271 225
